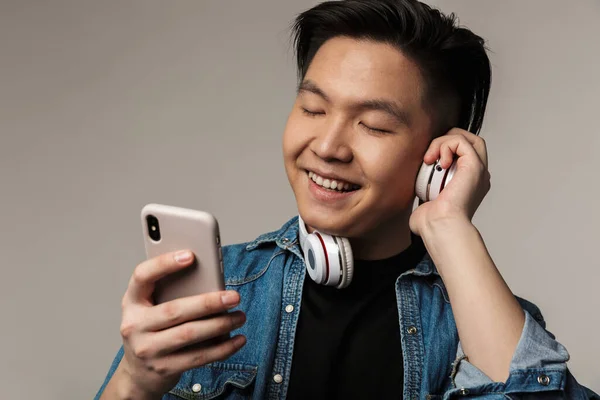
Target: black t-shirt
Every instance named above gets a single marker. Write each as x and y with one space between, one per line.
347 341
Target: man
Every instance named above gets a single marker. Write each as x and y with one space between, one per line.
384 86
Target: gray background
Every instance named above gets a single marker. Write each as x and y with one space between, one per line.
108 105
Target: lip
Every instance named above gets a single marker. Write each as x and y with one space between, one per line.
323 195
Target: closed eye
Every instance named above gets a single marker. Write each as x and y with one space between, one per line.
311 113
376 130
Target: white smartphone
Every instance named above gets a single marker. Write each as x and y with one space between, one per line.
168 228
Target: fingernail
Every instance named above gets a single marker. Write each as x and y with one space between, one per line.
183 256
230 298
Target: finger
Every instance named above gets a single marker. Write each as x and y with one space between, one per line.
170 340
189 308
446 156
198 356
144 277
458 146
476 141
433 151
441 148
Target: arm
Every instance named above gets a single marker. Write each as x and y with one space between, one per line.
488 317
504 347
162 341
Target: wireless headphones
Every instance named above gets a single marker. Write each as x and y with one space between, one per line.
329 258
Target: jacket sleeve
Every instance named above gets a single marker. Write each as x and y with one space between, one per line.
538 369
111 371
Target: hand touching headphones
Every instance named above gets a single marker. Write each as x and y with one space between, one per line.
329 259
466 154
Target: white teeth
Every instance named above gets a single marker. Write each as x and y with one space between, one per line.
330 183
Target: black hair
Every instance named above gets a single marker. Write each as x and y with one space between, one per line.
452 59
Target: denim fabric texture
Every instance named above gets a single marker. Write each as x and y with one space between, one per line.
269 274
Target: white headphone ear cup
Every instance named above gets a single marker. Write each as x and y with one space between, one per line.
316 259
347 262
423 180
440 178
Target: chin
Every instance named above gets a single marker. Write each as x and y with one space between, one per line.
336 223
354 224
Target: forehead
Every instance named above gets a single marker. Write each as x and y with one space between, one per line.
354 70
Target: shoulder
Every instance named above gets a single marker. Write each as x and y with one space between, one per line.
246 261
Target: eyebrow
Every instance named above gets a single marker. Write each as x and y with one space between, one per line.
309 86
389 107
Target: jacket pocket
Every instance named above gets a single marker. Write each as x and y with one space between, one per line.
215 380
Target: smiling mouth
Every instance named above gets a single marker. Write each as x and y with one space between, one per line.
331 184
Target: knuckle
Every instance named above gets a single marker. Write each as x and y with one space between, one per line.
143 351
138 277
171 312
165 260
438 141
160 368
127 329
462 140
211 302
186 334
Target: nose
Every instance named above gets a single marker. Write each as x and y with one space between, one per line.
331 143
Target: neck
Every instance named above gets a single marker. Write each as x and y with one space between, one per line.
384 241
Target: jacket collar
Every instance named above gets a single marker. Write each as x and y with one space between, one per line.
287 238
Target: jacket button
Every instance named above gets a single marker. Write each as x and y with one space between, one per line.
412 330
544 380
278 378
197 388
464 391
289 308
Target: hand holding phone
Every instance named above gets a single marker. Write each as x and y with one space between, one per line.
183 331
168 229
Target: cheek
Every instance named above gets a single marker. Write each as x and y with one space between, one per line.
292 137
393 170
385 163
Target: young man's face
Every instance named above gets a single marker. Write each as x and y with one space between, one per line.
359 120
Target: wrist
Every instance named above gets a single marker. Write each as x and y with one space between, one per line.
445 227
451 242
127 389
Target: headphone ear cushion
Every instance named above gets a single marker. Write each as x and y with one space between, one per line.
423 181
347 262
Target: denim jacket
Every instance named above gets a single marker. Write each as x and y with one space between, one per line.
269 274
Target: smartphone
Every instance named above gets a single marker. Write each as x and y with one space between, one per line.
168 228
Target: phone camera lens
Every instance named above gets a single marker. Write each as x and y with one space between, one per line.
153 228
